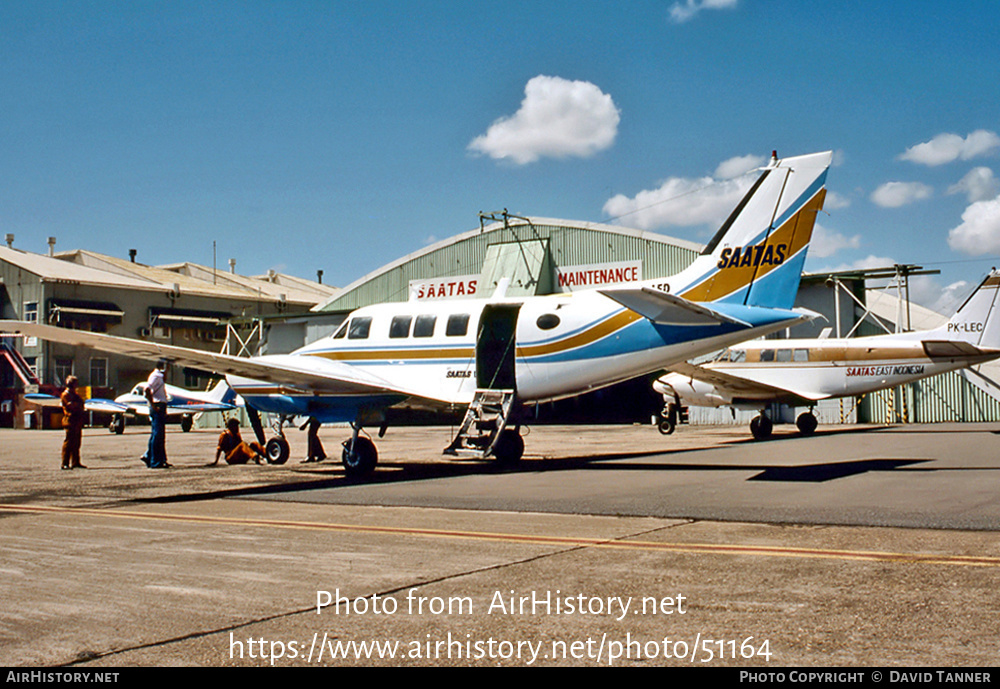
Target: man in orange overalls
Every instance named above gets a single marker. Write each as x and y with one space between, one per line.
72 405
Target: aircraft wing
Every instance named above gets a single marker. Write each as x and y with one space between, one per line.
105 405
43 400
740 387
304 373
668 309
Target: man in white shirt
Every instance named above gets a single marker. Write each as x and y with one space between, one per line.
156 395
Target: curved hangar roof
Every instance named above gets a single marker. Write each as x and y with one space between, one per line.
540 256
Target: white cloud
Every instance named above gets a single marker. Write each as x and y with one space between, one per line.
945 148
979 232
896 194
869 261
826 242
734 167
925 290
679 201
834 201
681 12
978 185
557 118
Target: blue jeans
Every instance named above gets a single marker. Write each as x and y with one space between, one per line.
156 455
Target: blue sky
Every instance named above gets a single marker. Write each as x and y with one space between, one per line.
342 135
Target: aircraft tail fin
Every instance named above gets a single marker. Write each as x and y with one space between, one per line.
977 321
756 257
221 393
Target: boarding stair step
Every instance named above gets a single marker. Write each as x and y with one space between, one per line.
484 421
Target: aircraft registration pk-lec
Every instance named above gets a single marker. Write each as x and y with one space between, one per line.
804 371
491 356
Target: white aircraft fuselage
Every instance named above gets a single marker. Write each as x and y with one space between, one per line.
564 345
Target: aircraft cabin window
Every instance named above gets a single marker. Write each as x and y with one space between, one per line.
359 328
341 332
424 327
767 355
784 355
458 325
801 355
400 326
547 321
737 355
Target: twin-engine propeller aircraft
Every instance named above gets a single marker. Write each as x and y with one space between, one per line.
491 356
803 372
180 402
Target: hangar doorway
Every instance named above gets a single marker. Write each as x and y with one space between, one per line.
495 347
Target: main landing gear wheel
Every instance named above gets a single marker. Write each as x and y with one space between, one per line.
276 451
509 448
359 457
117 425
761 427
806 423
666 425
186 423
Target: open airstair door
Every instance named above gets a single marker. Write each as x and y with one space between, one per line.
495 347
484 430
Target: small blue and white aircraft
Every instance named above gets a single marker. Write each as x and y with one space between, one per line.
801 372
492 356
180 402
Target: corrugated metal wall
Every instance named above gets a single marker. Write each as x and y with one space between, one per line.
568 245
948 397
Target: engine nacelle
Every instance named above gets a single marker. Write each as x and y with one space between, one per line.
691 392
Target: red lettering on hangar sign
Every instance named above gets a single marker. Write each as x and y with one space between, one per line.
569 277
443 288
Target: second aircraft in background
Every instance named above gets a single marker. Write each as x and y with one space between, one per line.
802 372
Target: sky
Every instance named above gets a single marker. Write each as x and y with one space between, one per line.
338 136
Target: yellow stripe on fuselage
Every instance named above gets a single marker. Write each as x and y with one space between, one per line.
599 330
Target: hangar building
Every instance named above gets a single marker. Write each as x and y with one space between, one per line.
185 304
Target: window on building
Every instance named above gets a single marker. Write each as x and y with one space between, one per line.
458 325
424 327
99 372
64 369
400 326
31 311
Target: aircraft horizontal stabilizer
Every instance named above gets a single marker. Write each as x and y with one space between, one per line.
667 309
956 349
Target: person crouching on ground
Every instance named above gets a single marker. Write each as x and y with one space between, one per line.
234 449
72 405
